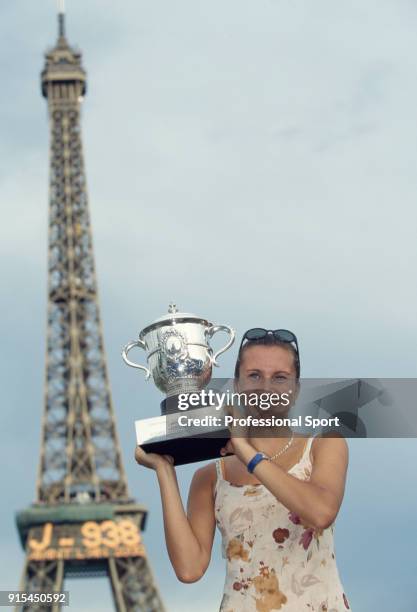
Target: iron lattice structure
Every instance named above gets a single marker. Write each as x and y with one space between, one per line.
83 522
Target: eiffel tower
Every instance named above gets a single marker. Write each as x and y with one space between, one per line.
83 522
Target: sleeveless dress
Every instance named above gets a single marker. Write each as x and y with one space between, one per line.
274 561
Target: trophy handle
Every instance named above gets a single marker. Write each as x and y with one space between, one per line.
140 344
214 329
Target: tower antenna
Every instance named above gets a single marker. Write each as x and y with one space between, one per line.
61 18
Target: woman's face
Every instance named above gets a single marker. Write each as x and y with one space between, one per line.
269 368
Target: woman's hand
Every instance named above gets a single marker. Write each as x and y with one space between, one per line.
239 435
152 460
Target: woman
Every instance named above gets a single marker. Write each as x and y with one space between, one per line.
274 500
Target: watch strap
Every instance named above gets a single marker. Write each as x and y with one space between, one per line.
255 460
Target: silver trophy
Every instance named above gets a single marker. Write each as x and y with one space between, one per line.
180 360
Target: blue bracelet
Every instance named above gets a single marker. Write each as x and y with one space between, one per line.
255 460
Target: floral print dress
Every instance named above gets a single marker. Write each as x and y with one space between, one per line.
274 561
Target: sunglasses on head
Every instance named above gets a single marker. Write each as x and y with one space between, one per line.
258 333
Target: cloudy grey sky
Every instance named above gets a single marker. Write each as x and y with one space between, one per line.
255 162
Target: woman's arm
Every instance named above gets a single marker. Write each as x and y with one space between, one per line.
318 500
188 536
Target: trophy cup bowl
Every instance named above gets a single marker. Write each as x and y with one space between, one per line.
179 360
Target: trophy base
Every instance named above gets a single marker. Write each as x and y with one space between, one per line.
166 435
187 450
171 406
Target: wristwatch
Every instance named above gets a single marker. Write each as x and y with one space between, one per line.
255 460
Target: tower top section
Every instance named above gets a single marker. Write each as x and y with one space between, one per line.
62 65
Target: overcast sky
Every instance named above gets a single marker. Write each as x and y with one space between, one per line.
256 163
